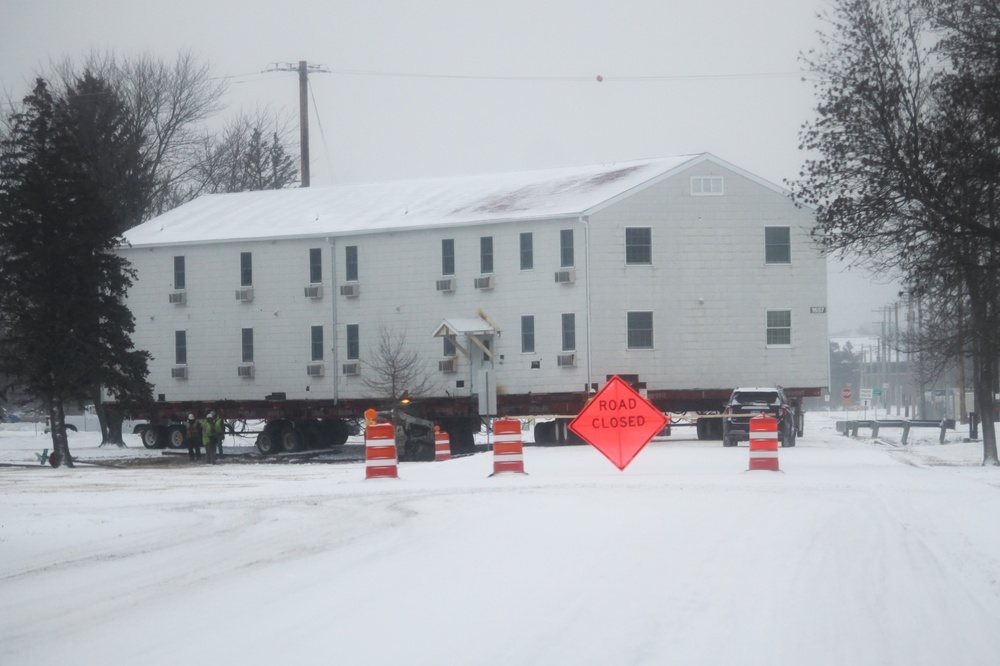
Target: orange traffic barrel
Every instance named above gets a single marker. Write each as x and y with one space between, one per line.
508 451
442 445
764 443
380 451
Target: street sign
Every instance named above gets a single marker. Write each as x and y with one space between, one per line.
846 394
877 392
866 394
618 422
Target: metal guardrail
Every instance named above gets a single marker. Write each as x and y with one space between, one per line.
851 428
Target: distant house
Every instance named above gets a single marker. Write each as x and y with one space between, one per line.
684 274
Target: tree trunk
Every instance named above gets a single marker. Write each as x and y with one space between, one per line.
984 399
114 435
57 428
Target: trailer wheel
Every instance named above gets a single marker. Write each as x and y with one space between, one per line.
176 434
267 441
291 439
154 437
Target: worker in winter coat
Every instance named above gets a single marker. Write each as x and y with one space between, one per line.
219 428
208 437
193 438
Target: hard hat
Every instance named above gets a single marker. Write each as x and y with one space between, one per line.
190 417
211 415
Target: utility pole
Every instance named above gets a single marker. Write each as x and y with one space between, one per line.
304 69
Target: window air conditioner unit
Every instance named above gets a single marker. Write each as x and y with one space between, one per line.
314 369
314 291
352 368
178 297
245 371
244 294
179 372
350 290
566 360
567 276
447 284
485 282
448 365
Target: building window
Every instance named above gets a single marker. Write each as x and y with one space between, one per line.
315 265
638 245
568 331
246 269
317 343
566 248
448 256
640 330
353 342
448 348
527 334
777 245
179 277
706 186
180 347
779 327
527 252
486 254
247 345
351 263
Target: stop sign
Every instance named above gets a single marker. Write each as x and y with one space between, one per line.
618 422
846 394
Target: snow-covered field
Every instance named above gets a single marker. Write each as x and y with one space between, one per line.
856 553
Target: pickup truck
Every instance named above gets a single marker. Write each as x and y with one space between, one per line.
745 403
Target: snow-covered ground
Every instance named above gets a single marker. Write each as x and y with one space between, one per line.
856 553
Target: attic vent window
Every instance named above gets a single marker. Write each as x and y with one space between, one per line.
707 186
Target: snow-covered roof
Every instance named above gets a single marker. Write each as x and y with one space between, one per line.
405 204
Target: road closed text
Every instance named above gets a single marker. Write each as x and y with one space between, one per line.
617 414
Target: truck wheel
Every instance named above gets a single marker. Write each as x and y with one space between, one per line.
291 439
176 434
154 437
267 441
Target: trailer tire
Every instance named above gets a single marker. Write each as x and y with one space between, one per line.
176 435
267 441
154 437
291 439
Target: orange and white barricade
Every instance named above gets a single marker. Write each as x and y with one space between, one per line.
764 443
380 451
508 451
442 445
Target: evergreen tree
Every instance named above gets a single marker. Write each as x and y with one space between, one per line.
66 328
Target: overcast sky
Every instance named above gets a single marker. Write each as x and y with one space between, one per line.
442 87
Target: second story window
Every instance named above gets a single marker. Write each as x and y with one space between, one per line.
566 248
448 256
246 269
316 342
638 245
315 265
777 245
486 254
351 263
353 342
180 347
527 334
448 348
247 345
179 278
527 252
779 327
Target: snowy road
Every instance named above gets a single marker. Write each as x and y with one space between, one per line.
854 554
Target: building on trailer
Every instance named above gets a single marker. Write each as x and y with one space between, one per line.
686 275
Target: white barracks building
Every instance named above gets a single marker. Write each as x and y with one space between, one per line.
685 275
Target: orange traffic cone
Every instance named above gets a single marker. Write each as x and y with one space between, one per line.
442 445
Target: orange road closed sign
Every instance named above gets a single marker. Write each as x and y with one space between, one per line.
618 422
